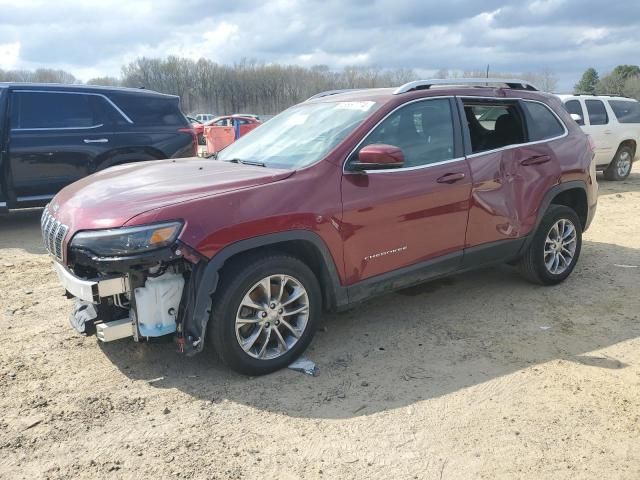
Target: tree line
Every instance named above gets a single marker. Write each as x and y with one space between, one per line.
249 87
624 80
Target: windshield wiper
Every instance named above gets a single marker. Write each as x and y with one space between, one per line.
247 162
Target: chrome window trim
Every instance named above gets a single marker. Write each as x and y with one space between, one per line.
408 169
402 169
471 155
41 129
31 198
108 100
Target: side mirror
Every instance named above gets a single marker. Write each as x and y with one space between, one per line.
577 118
378 157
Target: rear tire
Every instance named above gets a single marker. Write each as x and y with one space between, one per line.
620 166
255 307
555 247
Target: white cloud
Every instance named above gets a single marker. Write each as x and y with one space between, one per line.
97 38
9 55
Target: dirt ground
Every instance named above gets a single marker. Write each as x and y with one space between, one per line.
479 376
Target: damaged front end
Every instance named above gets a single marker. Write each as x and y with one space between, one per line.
130 282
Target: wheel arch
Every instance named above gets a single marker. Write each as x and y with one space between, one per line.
631 143
303 244
572 194
576 199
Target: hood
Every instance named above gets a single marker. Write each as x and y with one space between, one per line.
109 198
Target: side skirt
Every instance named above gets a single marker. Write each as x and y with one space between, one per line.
469 259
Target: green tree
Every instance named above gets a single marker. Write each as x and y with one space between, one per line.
588 82
626 71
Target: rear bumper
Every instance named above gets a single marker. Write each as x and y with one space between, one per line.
91 290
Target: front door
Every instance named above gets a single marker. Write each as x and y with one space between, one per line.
401 217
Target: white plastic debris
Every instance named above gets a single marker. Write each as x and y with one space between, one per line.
304 365
545 327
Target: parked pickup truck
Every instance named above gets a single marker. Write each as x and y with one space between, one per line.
53 135
338 199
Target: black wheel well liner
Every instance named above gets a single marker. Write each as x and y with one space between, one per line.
306 245
573 194
576 199
630 143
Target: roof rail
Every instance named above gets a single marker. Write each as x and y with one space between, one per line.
513 83
332 92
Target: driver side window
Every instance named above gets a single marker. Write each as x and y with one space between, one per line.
422 130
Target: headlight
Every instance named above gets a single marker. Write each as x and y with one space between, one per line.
127 240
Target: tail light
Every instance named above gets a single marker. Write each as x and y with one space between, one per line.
194 138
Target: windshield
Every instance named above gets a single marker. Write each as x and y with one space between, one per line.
299 136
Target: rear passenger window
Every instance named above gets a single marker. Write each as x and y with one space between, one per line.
423 130
493 126
597 112
44 110
149 111
542 123
626 111
573 106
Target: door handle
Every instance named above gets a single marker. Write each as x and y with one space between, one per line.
96 140
450 177
535 160
608 132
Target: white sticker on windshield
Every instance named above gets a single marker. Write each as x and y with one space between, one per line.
362 106
297 119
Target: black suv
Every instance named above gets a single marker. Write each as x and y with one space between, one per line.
53 135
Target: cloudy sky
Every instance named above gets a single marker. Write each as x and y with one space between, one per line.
95 38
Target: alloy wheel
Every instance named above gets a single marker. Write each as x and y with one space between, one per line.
272 317
623 165
560 246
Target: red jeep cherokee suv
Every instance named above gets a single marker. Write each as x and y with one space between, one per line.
340 198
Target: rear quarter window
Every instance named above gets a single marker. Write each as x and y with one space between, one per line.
626 111
152 111
542 123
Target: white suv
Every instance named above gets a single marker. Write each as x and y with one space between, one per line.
614 125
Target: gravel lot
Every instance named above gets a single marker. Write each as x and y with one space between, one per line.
477 376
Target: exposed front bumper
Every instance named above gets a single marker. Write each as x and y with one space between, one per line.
91 290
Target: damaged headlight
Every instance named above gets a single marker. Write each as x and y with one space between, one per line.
127 240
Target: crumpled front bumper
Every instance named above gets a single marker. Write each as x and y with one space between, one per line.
91 290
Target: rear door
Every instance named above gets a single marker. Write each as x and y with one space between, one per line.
599 126
53 138
402 217
513 163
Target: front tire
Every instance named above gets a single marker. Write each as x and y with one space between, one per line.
555 247
620 166
265 313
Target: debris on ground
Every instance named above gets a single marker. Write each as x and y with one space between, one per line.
304 365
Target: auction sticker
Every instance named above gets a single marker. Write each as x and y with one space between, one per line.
362 106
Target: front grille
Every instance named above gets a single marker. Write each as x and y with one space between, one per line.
53 233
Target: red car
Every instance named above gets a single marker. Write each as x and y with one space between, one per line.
336 200
223 131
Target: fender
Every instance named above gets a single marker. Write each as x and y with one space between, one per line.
205 276
546 201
